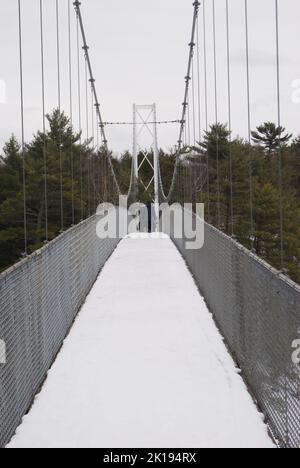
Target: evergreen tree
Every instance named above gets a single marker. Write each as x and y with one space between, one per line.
216 141
87 181
271 137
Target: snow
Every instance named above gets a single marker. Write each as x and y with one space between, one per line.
144 366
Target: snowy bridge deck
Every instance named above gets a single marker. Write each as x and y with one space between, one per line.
143 366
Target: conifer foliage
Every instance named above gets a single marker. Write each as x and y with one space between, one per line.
216 172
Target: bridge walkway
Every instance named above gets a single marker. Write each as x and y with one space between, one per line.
143 366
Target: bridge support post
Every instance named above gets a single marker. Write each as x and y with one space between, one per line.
145 127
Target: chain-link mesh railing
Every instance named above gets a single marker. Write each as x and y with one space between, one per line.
258 311
39 300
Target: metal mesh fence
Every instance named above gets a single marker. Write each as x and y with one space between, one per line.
39 300
258 312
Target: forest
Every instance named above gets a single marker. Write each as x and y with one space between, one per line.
250 192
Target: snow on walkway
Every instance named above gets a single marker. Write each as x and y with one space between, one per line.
144 366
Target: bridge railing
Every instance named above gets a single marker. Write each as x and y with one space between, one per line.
39 300
258 312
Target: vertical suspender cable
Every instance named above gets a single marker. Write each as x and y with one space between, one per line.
280 182
190 171
216 115
22 130
193 102
249 125
79 121
87 136
93 176
98 171
44 122
59 109
188 122
189 118
198 82
206 108
199 101
205 67
97 133
71 112
87 102
229 119
279 146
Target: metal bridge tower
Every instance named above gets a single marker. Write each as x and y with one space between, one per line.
145 136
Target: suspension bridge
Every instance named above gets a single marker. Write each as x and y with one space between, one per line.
138 340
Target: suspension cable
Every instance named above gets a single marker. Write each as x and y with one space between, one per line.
199 102
87 101
189 119
44 121
188 76
87 137
86 49
193 102
22 129
205 66
97 174
60 121
249 125
71 112
216 114
198 81
93 151
229 119
192 44
279 146
92 80
206 108
97 133
79 121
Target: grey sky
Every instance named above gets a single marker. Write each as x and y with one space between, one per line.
139 51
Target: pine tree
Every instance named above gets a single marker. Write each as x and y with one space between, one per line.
87 181
271 137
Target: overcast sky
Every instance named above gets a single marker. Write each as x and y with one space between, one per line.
139 51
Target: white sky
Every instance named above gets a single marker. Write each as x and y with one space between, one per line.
139 51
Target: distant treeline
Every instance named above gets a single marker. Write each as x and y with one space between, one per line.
60 171
245 188
231 177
